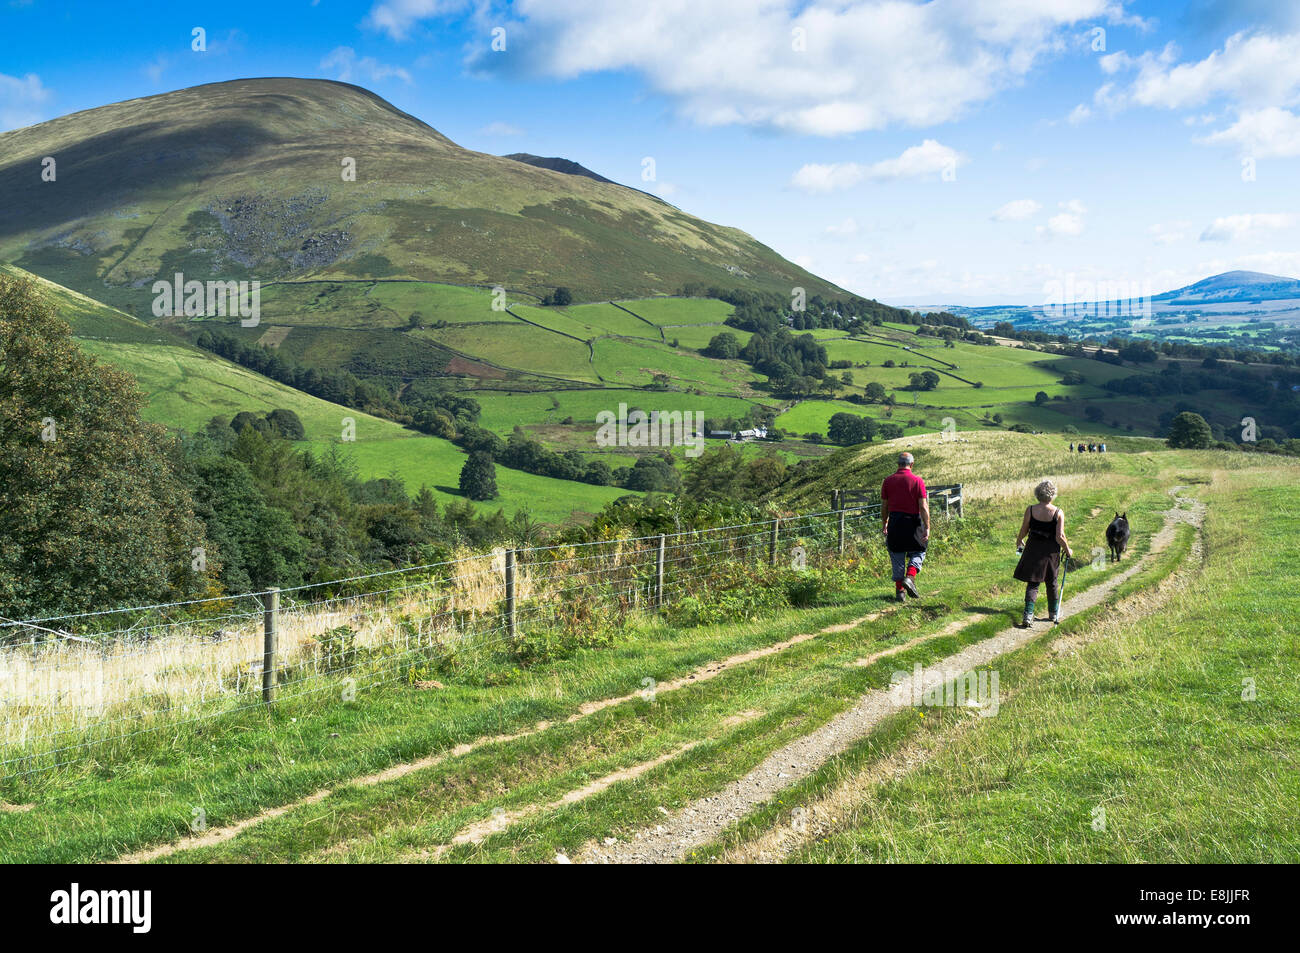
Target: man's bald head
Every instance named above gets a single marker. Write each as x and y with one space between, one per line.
905 459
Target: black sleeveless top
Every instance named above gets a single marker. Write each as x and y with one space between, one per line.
1043 529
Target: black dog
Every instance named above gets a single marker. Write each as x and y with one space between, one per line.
1117 536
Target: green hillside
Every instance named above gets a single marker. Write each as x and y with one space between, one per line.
186 387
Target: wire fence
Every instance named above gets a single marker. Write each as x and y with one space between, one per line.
71 685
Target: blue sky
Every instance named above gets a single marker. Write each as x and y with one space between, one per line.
921 153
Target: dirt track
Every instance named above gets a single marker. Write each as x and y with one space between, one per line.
706 818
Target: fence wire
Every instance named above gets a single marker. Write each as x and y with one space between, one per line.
72 684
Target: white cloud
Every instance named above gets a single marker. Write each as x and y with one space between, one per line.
1067 222
21 99
1251 70
845 229
816 177
1266 133
500 129
929 158
1236 227
396 17
1255 75
853 65
343 59
1017 211
1113 63
1078 114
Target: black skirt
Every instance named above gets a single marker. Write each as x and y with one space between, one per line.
1040 561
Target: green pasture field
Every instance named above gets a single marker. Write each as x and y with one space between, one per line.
502 411
698 336
672 311
435 463
622 361
520 346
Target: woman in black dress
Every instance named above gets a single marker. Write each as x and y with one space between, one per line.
1040 542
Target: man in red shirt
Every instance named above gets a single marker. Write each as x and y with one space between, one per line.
905 523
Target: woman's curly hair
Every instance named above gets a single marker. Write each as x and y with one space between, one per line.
1045 491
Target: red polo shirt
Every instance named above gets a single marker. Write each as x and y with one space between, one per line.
903 492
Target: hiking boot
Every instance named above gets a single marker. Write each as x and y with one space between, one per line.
1054 613
1028 618
909 583
899 597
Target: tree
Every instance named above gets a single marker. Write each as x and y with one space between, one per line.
716 473
849 429
765 474
246 418
91 513
287 423
1189 431
724 345
1139 352
653 473
875 392
257 543
561 297
478 477
1041 398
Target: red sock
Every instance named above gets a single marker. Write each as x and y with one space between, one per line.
898 585
911 570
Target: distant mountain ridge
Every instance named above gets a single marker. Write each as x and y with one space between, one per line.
557 164
1233 286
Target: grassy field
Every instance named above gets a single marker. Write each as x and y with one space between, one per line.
502 411
521 346
186 387
1144 718
674 311
623 361
1167 740
589 321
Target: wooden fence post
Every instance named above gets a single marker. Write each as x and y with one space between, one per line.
960 501
659 572
270 614
841 532
771 546
510 594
